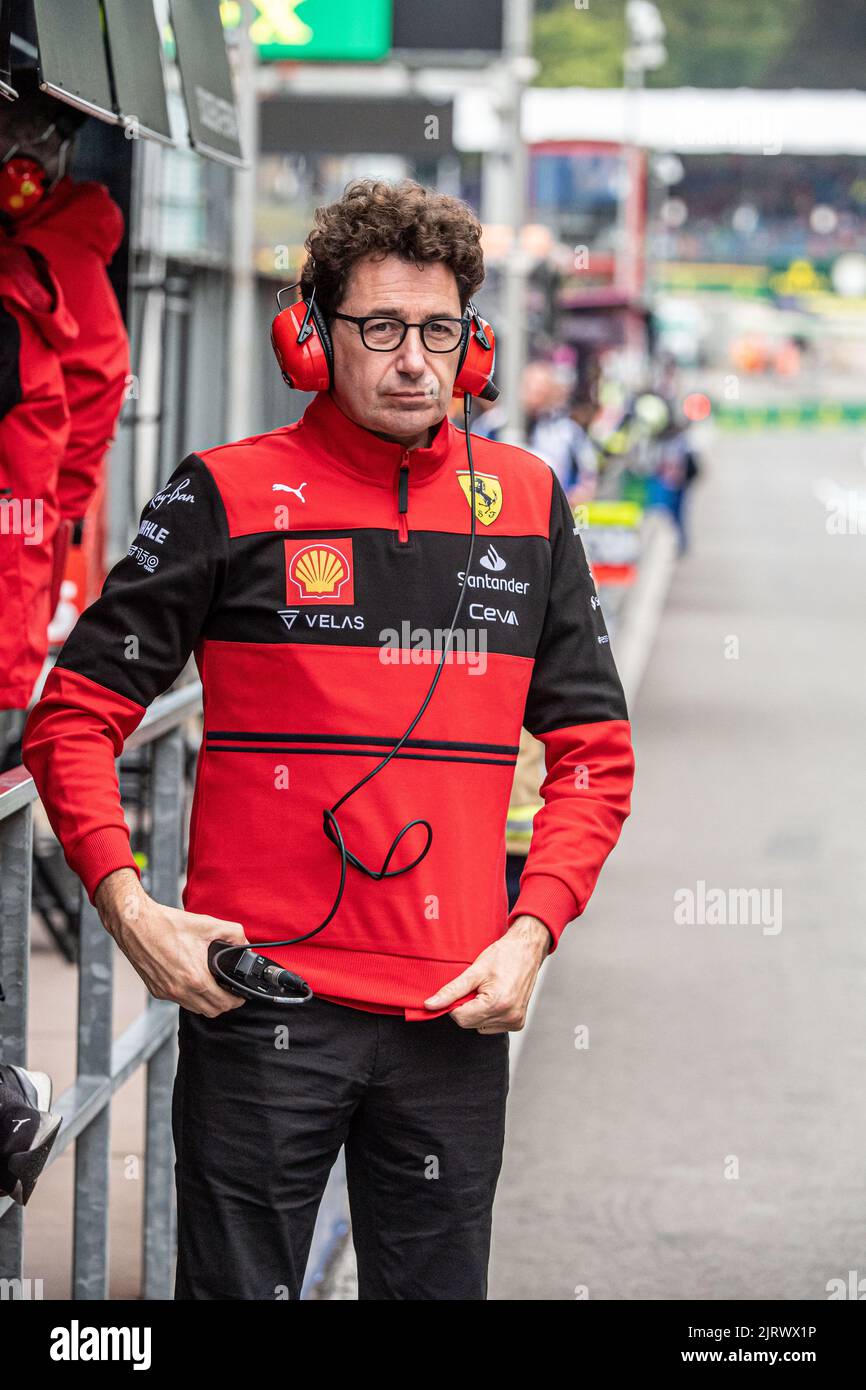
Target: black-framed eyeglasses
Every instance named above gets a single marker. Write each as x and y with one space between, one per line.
382 334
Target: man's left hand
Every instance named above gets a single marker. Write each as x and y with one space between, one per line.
504 977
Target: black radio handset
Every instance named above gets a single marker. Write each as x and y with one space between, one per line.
256 977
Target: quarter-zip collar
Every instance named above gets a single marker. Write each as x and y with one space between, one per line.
363 454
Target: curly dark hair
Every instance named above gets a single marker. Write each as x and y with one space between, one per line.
404 219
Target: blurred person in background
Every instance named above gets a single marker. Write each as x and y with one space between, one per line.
551 430
582 411
489 417
64 366
665 377
526 800
676 468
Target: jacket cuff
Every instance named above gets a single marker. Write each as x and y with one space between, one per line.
550 900
99 854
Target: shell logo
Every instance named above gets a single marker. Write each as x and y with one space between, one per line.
320 572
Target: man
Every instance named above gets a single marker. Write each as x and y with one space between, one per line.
288 562
64 365
554 434
582 485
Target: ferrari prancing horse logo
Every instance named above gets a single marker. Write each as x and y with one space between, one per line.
488 494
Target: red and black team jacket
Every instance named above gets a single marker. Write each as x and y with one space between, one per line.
310 570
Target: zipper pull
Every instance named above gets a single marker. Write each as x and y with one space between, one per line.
403 500
403 485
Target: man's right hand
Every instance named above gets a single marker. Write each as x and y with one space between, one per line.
166 946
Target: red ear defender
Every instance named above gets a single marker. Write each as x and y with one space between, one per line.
302 344
22 185
477 359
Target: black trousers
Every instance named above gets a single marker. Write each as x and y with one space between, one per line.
263 1102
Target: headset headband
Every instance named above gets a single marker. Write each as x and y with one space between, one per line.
301 340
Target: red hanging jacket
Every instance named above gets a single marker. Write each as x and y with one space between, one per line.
36 327
306 568
78 228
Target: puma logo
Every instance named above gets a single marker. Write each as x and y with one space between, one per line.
284 487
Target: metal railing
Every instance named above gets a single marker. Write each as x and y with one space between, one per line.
104 1064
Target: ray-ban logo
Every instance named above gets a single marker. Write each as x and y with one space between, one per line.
166 498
